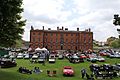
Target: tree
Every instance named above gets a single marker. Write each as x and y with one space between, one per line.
11 22
115 43
110 39
116 22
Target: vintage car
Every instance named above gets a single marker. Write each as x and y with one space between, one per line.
26 56
74 59
68 71
7 63
100 59
52 58
20 56
92 59
83 56
41 59
60 56
12 56
35 56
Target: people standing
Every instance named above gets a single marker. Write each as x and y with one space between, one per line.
83 72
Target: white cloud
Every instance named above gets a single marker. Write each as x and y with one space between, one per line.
96 14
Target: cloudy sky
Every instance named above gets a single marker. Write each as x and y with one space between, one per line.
94 14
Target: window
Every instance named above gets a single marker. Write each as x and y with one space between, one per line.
61 34
66 40
39 33
66 34
71 40
39 39
51 47
51 34
46 34
33 33
56 40
33 39
76 34
56 34
76 40
71 34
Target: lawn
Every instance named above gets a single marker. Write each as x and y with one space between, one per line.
12 74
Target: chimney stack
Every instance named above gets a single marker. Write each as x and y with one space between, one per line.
57 28
32 28
49 28
62 27
89 30
43 27
77 29
66 29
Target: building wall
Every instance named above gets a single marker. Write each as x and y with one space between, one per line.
61 39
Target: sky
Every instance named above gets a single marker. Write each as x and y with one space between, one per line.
95 14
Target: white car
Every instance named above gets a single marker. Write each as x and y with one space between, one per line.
20 56
26 56
52 58
35 56
12 56
100 59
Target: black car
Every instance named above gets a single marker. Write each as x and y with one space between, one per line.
74 59
7 63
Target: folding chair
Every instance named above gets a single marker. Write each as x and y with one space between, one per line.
54 72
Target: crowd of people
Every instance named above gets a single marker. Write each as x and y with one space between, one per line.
85 74
27 71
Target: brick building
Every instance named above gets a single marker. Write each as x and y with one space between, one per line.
61 39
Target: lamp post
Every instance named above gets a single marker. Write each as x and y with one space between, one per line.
116 22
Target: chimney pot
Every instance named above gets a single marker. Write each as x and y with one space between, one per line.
77 29
62 27
43 27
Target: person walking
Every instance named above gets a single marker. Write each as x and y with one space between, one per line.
83 72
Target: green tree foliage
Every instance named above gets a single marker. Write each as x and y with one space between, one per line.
110 39
115 43
10 22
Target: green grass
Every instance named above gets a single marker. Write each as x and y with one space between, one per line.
12 74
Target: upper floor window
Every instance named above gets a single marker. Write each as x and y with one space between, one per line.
76 40
46 34
71 34
66 34
39 33
33 39
33 33
76 34
51 34
56 34
71 40
39 39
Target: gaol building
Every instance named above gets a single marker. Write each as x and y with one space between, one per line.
61 39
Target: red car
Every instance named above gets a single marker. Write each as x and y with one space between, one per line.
103 54
83 56
68 71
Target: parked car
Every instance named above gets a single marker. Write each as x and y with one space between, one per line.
60 56
83 56
100 59
12 56
20 56
6 56
41 59
26 56
68 71
35 56
7 63
92 59
74 59
52 58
